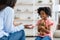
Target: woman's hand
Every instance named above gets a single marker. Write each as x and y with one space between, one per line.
16 23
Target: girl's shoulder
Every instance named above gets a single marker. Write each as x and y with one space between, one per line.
38 22
49 21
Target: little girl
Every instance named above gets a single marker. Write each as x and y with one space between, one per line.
44 24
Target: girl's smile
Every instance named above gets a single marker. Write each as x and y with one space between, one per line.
43 15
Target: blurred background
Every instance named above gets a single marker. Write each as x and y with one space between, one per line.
26 13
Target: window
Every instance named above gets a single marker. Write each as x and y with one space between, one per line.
59 1
58 27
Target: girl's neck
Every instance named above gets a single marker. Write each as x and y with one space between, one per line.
44 19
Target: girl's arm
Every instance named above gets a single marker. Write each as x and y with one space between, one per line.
46 30
29 26
49 26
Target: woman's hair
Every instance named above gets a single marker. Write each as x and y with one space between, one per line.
47 10
2 4
5 3
11 3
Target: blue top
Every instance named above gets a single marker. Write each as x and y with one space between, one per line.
6 22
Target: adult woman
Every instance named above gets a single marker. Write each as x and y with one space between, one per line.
8 30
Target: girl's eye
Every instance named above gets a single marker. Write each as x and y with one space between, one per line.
42 14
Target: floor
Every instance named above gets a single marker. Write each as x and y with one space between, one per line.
32 38
56 38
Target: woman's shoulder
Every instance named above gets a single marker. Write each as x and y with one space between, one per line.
8 8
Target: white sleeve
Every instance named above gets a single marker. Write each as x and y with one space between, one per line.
9 22
2 32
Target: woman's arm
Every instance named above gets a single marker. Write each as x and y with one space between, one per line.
28 26
2 32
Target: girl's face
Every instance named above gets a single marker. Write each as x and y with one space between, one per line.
43 15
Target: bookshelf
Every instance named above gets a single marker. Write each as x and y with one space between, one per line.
26 12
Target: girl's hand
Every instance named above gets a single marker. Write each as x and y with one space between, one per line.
29 26
40 33
46 30
42 27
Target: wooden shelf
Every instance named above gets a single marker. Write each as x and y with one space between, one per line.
24 4
23 12
18 19
26 20
43 4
